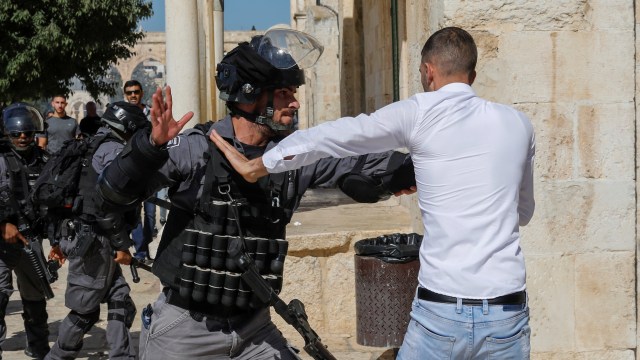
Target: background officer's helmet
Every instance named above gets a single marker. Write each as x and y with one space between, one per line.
21 118
125 117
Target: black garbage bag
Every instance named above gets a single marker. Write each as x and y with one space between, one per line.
391 248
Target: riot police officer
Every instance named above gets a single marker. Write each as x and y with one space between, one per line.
94 275
20 164
205 311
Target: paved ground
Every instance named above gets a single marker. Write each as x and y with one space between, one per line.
146 291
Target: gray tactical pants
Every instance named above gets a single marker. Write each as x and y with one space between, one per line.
33 301
92 280
176 333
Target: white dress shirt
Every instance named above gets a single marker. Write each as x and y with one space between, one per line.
474 172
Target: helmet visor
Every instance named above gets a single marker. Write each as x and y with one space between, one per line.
286 48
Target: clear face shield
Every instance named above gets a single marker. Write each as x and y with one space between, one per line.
290 51
285 48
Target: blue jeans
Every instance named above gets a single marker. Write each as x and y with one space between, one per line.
455 331
163 195
142 235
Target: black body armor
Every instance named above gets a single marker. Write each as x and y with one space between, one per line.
23 177
193 257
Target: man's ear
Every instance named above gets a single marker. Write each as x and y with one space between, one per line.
431 73
472 77
430 70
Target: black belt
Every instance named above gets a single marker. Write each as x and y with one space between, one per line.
516 298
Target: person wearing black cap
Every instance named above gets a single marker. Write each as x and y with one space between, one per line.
205 310
95 276
21 161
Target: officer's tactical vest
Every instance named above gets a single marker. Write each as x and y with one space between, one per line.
193 258
23 178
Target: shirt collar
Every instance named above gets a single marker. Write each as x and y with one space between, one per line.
457 87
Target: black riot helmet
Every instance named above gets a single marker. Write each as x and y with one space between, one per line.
270 61
125 117
19 123
21 117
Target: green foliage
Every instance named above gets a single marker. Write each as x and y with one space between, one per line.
46 43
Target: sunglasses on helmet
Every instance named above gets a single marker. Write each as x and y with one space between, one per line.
17 134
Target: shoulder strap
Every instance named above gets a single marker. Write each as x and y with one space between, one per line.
215 173
88 177
18 172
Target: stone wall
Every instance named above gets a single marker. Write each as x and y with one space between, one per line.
570 66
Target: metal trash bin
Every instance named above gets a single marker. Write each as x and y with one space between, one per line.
386 277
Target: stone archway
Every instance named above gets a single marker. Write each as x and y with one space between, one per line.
152 47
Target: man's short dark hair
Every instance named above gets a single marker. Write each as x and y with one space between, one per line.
452 50
131 83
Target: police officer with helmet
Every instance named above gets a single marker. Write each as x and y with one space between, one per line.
20 164
95 276
205 309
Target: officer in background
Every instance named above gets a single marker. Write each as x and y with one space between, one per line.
94 275
20 164
205 311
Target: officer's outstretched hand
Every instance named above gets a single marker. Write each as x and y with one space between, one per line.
123 257
251 170
56 254
11 235
164 126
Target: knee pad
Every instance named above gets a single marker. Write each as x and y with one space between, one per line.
128 308
84 321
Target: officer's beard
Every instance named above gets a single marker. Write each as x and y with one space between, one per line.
263 130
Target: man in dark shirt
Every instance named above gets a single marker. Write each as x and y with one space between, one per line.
90 124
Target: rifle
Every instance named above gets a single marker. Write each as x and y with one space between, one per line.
45 272
293 313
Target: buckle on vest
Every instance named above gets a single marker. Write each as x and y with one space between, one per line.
224 189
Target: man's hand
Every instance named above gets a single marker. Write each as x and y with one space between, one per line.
165 127
56 254
123 257
251 170
408 191
11 235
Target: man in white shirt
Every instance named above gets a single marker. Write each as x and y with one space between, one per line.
474 172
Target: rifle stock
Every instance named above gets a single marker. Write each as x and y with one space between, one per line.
43 270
